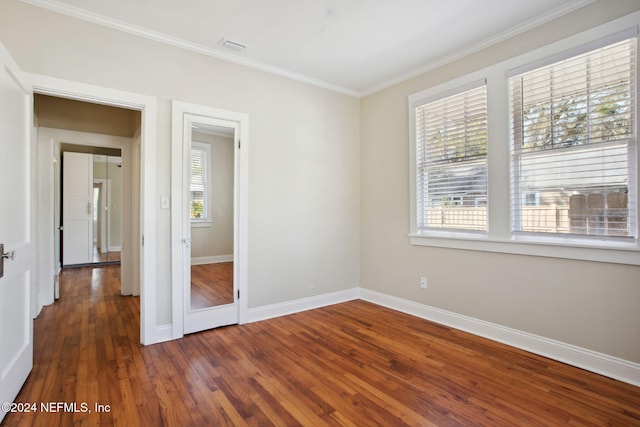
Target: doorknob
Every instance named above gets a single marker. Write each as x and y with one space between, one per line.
9 255
5 255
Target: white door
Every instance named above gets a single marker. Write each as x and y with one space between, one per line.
77 208
218 311
16 325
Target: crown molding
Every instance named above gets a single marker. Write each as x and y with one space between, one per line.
75 12
483 44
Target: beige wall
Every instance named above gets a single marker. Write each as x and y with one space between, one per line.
304 151
588 304
217 238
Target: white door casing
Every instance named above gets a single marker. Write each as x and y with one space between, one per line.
144 248
77 211
16 220
186 320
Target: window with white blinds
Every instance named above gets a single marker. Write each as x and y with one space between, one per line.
574 146
200 154
451 160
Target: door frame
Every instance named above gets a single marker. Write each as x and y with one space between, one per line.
104 186
145 251
179 260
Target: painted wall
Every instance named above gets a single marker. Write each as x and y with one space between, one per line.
304 152
589 304
216 239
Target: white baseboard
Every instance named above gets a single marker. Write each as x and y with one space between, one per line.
589 360
299 305
115 248
163 333
593 361
211 259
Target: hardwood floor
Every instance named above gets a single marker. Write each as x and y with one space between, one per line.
211 284
351 364
99 256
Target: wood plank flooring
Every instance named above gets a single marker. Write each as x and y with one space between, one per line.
211 284
351 364
105 256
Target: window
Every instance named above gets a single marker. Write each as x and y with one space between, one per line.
534 155
573 145
200 164
451 160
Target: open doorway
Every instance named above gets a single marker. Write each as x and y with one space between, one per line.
93 189
92 184
143 249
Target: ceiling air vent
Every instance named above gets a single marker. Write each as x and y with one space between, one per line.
229 44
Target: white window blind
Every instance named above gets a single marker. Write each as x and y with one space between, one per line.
573 154
199 176
451 160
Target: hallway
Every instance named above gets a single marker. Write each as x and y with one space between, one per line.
85 341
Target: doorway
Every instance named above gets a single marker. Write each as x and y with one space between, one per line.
143 242
90 142
93 218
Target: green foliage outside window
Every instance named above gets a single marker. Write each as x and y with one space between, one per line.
197 209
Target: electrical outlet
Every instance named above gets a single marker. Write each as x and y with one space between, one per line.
312 290
423 283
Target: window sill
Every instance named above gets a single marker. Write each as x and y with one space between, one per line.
577 249
198 224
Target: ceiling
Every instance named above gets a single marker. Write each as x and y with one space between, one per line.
352 46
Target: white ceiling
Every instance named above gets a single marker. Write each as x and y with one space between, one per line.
352 46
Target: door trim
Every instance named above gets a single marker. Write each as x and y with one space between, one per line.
178 259
148 106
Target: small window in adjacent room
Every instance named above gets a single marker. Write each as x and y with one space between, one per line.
451 160
200 164
574 146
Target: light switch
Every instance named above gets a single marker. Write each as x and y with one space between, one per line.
164 202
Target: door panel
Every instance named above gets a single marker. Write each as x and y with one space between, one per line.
16 325
221 136
77 211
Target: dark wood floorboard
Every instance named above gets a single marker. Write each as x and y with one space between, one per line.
350 364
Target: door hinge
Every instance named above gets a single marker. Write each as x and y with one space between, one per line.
238 293
238 144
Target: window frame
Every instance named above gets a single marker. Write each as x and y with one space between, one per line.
206 220
423 102
521 155
499 237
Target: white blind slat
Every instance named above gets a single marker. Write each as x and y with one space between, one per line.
198 184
